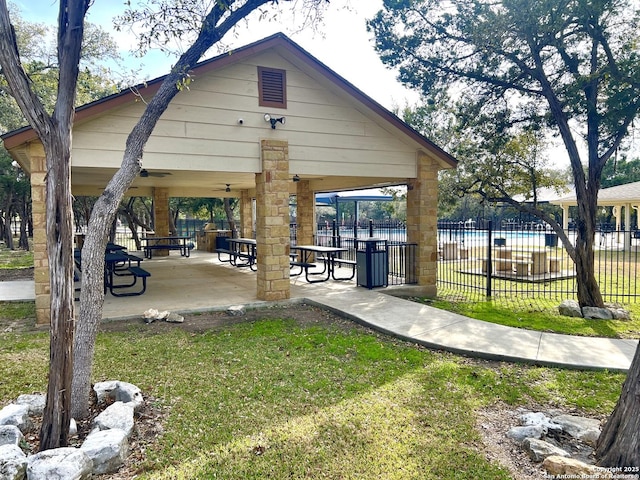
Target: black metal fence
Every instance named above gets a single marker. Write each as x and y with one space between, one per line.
532 263
401 256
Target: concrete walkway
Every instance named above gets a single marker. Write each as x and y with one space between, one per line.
442 330
17 291
211 285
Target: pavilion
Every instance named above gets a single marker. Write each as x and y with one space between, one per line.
259 123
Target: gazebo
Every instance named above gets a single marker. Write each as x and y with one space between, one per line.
622 198
251 120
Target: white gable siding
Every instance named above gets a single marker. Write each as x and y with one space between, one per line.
200 130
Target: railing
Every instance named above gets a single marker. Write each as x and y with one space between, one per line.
401 255
532 263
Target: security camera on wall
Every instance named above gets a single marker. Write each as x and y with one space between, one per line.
241 121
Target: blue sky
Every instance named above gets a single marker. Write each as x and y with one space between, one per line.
345 45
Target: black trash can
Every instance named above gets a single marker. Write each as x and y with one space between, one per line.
500 242
372 262
550 239
222 240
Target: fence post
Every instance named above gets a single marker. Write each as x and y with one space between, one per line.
370 228
336 233
489 259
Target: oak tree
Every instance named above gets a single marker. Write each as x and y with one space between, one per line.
569 66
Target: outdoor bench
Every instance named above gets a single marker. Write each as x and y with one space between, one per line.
304 266
224 251
341 261
124 265
502 264
522 267
136 272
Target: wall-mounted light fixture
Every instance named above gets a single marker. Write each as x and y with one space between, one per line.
296 178
268 118
228 189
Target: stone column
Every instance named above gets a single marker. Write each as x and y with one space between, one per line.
161 214
272 224
306 213
246 215
39 214
422 222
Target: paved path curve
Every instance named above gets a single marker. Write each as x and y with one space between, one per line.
440 329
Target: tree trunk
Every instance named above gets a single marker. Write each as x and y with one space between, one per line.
91 301
588 288
23 242
7 231
8 234
619 442
229 211
59 219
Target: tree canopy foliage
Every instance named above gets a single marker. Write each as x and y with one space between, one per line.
523 67
36 44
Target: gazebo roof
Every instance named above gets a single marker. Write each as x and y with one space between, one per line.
368 195
283 44
629 193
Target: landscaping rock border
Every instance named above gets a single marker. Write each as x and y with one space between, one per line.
103 451
571 308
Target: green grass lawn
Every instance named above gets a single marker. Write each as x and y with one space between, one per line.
277 399
538 314
15 258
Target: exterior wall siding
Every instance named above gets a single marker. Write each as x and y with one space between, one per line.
199 131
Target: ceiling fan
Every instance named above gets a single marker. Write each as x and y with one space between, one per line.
144 173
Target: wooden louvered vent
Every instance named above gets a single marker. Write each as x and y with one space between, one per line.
272 84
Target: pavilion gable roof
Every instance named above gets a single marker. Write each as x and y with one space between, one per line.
284 46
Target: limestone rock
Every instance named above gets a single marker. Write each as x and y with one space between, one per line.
174 318
236 310
17 415
35 402
108 449
584 429
556 465
118 415
116 391
13 463
570 308
59 463
10 435
620 313
539 418
520 434
597 313
538 450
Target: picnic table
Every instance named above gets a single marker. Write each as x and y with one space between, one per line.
329 257
175 242
242 252
118 264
